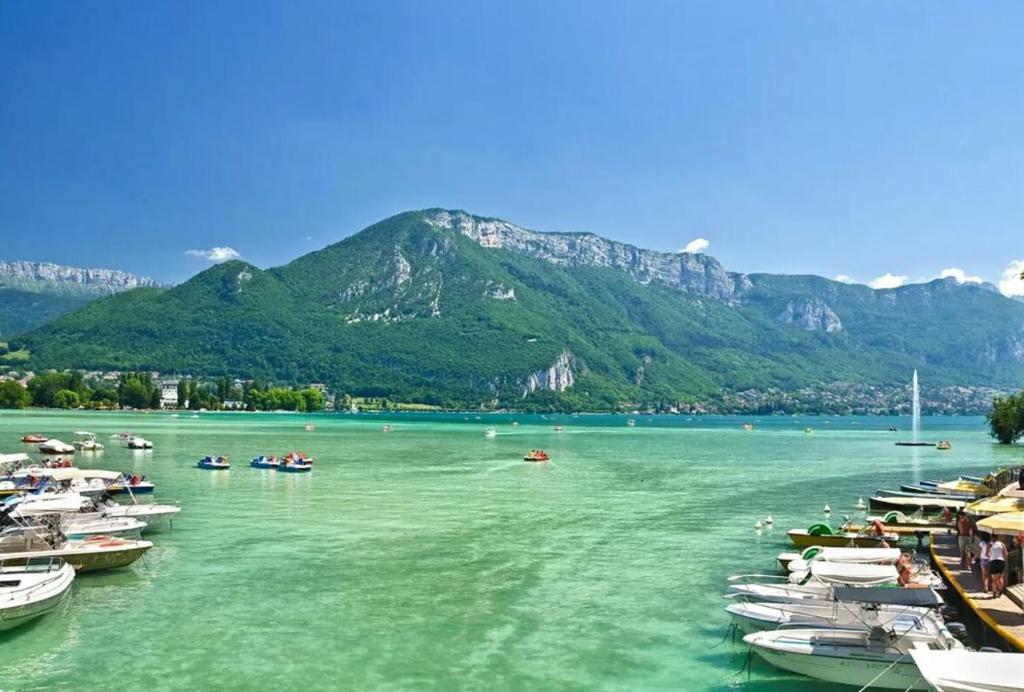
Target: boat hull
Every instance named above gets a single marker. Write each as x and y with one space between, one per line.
806 540
124 490
847 671
16 614
87 559
295 469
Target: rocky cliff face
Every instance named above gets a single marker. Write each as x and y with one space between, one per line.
812 315
46 277
558 377
699 274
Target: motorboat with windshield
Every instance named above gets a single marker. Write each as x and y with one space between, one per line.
33 589
794 562
87 442
55 446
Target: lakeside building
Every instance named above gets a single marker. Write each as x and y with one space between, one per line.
168 393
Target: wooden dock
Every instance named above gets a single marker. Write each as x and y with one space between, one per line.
1001 615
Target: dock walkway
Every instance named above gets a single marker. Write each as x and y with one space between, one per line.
1000 614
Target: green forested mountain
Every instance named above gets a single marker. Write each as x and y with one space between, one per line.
444 307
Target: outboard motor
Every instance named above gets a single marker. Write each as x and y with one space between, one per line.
958 630
948 612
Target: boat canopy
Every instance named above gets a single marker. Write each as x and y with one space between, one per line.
66 474
960 669
927 598
13 458
865 555
995 505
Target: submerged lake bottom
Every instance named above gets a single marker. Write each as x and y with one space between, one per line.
434 557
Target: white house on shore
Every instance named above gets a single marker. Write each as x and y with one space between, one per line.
168 393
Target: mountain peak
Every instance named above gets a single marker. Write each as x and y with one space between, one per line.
690 273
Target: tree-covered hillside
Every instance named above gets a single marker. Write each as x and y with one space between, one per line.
423 308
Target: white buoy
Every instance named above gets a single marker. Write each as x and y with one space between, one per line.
757 524
860 503
827 510
768 520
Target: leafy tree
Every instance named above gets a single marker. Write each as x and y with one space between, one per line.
13 395
66 398
133 393
1006 419
313 399
104 395
44 387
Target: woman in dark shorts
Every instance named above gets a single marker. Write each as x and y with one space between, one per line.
997 565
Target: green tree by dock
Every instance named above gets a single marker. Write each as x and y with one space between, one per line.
1006 419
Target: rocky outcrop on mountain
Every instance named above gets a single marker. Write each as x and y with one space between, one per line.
814 315
558 377
46 277
691 273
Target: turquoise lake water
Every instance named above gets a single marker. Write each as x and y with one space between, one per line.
432 557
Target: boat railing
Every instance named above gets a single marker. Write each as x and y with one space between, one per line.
757 578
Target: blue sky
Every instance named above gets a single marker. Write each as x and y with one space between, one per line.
801 137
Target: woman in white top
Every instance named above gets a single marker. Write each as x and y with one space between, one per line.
983 559
997 565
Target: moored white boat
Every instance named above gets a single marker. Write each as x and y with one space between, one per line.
55 446
32 590
795 562
845 574
87 442
756 617
878 657
21 544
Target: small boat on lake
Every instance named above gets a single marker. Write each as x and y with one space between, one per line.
86 442
20 545
137 442
31 590
296 462
265 461
55 446
823 535
34 438
214 463
926 504
794 562
132 484
944 445
630 423
875 656
490 432
748 427
559 428
536 455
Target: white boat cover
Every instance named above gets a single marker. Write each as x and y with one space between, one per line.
970 671
923 501
851 573
873 556
66 474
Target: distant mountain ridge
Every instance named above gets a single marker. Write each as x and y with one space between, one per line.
32 293
445 307
83 282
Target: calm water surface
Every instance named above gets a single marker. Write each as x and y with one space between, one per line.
432 557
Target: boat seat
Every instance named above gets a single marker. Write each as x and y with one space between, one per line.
1016 594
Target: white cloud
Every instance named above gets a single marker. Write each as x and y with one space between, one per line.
696 245
215 254
960 275
1010 283
843 278
888 280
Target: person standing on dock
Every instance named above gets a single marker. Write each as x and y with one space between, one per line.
997 565
984 544
964 530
